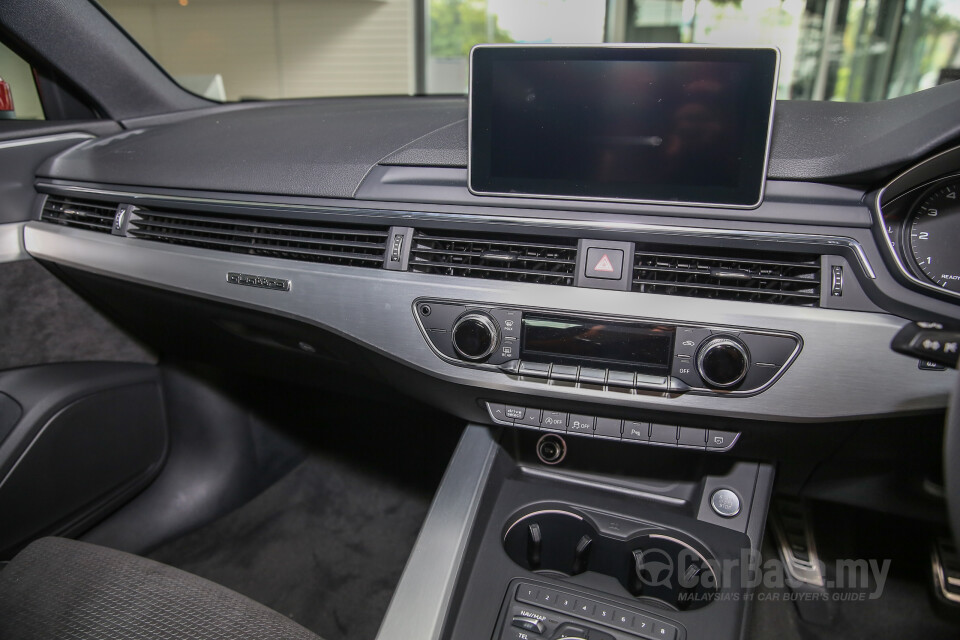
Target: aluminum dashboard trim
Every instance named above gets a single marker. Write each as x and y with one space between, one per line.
421 602
583 225
11 242
845 371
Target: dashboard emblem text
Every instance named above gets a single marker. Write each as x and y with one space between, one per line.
262 282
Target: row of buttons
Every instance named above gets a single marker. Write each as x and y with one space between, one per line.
595 611
625 430
587 375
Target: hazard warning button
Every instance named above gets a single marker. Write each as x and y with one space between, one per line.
606 264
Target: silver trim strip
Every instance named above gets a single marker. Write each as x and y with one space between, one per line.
583 225
624 45
11 242
60 137
422 599
845 371
923 182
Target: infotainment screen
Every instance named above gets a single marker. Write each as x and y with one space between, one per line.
600 344
666 124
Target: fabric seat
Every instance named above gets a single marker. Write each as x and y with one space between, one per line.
57 588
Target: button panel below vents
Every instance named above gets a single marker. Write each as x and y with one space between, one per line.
79 213
495 257
331 243
722 274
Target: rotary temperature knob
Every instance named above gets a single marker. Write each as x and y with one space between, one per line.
475 336
722 362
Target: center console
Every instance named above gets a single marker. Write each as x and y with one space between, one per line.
616 543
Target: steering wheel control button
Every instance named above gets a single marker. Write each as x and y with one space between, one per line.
929 365
475 336
722 362
721 439
930 342
725 503
582 425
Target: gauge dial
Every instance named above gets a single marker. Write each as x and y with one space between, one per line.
933 236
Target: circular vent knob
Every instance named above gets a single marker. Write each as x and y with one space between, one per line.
723 362
475 336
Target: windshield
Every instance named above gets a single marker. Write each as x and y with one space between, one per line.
844 50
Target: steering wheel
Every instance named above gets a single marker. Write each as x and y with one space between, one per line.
951 463
933 342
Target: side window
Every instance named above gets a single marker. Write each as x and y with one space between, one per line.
18 88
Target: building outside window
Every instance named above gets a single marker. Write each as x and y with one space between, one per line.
844 50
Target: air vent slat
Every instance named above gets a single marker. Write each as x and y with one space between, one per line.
347 244
79 213
723 273
255 248
273 225
494 257
261 235
509 258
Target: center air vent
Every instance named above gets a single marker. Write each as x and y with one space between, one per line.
494 257
332 243
729 274
79 213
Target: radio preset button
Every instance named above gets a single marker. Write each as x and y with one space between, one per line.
621 379
593 376
534 369
564 372
645 381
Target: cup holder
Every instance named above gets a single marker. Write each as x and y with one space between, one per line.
653 564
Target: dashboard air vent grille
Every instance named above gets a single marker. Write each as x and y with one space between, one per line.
728 274
494 257
327 242
80 213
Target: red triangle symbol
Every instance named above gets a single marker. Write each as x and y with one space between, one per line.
604 264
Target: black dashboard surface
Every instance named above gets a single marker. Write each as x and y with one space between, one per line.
325 148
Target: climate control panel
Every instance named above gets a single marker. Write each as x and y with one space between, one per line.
608 352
